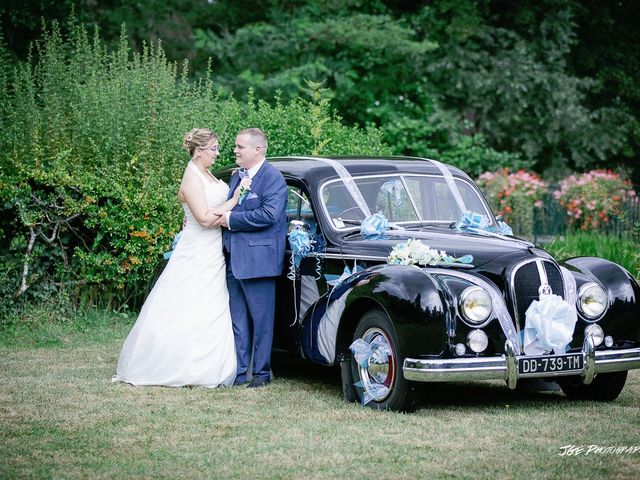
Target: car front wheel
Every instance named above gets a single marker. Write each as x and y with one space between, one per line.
379 382
605 387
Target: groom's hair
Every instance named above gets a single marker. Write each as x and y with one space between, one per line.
258 137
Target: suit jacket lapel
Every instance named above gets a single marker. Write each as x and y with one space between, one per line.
235 180
263 169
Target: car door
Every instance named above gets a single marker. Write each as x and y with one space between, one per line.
298 288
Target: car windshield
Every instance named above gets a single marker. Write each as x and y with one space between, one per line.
400 198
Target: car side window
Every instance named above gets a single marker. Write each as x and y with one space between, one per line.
299 208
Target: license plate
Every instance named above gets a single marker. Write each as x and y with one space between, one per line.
550 364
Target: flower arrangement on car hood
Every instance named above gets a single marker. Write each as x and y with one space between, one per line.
414 252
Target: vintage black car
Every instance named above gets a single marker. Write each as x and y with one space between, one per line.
462 318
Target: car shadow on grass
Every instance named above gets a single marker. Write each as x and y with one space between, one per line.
429 395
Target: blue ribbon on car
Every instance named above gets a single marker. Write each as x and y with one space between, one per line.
374 225
300 243
476 222
365 353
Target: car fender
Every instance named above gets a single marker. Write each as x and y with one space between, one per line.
622 319
412 300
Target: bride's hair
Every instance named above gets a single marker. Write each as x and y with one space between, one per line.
198 138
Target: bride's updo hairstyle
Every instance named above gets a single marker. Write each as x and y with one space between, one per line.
198 138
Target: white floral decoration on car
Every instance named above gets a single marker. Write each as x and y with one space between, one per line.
414 252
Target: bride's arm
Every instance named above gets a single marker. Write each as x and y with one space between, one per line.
233 201
193 191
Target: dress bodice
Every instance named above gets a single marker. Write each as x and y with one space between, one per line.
216 193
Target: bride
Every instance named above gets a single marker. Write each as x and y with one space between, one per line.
183 335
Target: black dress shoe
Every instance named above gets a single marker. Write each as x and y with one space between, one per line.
257 382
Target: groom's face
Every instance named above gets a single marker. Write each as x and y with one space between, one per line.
247 152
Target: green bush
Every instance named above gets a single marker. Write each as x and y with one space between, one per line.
92 159
514 196
593 198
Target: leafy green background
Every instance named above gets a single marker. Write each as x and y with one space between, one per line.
92 115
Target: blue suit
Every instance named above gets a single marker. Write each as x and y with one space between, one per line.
254 251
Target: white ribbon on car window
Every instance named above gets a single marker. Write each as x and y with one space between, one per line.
452 185
348 182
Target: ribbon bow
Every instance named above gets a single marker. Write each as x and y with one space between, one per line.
476 222
549 325
377 351
374 225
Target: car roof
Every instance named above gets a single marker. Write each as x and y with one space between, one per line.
314 169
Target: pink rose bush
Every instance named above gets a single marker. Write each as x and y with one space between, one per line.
592 198
514 196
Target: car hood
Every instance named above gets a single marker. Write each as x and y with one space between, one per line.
491 254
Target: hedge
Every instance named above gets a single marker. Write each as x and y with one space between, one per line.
92 159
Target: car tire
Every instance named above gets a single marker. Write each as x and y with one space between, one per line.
605 387
399 393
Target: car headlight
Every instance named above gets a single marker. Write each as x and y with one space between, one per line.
475 304
592 300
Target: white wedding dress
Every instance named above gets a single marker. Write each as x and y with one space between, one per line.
183 335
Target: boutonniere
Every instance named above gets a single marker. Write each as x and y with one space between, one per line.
245 185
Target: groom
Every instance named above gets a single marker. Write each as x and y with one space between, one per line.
254 244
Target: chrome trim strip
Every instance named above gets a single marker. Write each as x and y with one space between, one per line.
589 350
545 288
504 367
338 256
541 272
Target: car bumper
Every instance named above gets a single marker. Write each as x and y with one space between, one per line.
504 367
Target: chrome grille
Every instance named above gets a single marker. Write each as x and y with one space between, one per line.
525 285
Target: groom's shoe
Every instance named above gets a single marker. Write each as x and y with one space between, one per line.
239 383
257 382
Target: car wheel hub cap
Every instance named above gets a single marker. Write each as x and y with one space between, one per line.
377 375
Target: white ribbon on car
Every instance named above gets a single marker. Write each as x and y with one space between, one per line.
347 180
446 173
549 325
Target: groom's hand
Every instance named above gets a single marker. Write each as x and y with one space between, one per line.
222 221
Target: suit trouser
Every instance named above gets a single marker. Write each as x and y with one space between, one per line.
252 304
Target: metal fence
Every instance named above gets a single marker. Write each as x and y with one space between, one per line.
551 220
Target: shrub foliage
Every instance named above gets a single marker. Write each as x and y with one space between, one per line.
592 198
92 159
514 196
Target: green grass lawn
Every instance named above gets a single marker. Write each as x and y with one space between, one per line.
61 417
